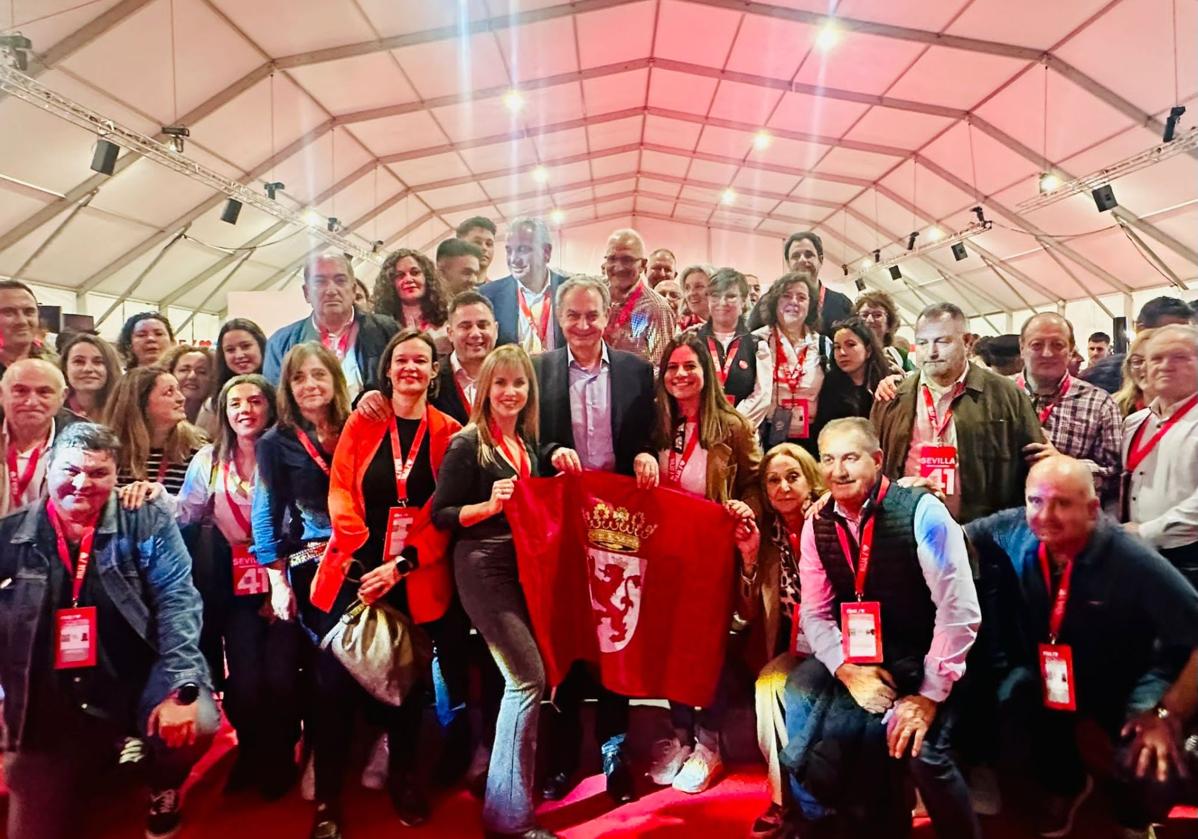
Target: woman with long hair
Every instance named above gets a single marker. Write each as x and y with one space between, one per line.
878 310
214 509
800 357
157 441
476 480
92 370
769 592
707 449
1136 392
144 339
240 349
383 476
745 367
858 366
192 367
409 289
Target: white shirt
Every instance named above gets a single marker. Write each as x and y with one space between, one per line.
349 362
1163 491
37 482
468 385
694 474
202 484
811 377
923 433
529 339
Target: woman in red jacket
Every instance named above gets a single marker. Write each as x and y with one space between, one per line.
383 547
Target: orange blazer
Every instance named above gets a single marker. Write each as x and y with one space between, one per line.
430 586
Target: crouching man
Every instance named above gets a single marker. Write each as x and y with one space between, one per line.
99 631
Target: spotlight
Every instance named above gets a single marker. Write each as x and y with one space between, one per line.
980 213
272 188
860 283
313 218
1048 182
376 245
911 240
104 157
877 254
845 268
231 212
514 100
729 196
935 234
1104 198
334 224
177 133
959 252
13 49
867 263
1171 122
828 37
895 273
540 174
762 140
557 216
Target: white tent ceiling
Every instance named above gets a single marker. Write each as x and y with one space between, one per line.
390 115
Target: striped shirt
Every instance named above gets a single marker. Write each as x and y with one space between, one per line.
171 478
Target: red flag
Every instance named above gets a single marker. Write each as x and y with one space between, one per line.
636 581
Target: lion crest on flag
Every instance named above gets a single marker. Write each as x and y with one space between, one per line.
616 573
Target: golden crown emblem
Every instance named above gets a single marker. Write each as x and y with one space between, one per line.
615 529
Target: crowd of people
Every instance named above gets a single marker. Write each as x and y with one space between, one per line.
194 531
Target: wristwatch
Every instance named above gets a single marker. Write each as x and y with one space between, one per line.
187 694
1162 713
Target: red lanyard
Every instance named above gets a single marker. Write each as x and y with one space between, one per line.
714 347
403 465
678 466
937 428
823 291
625 313
795 377
1047 412
64 553
341 345
1136 453
238 515
306 442
462 395
18 484
519 463
1057 616
867 543
542 328
163 466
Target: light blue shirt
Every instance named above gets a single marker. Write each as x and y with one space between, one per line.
590 412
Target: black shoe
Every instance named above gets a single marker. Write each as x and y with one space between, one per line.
557 786
326 824
408 800
531 833
455 755
165 815
619 777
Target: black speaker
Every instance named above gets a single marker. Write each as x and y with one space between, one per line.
231 212
895 273
959 252
104 157
1104 198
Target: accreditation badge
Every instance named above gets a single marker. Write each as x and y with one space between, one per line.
75 637
940 464
861 632
1056 677
399 522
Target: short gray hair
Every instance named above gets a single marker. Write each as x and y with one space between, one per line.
630 235
1189 332
540 233
89 436
329 254
586 282
46 367
862 427
942 310
709 270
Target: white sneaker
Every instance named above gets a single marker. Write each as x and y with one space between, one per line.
374 776
699 771
308 782
668 756
984 791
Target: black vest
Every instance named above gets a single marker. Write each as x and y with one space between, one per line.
742 373
895 578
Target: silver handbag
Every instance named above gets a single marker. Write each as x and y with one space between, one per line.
382 649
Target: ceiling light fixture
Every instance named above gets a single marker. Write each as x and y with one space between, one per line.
729 196
1048 182
540 175
13 49
829 36
954 241
866 262
334 224
557 216
513 100
313 218
177 133
762 140
104 157
1171 122
935 234
273 188
911 240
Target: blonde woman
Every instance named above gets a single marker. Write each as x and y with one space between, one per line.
477 478
1136 392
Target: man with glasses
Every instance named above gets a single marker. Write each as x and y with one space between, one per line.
641 320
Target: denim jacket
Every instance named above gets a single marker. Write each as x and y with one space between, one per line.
144 568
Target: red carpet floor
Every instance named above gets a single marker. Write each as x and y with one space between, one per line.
726 810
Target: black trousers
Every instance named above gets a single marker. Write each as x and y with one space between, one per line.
564 733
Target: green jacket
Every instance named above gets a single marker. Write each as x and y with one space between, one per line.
994 421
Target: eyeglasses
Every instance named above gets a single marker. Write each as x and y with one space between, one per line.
1136 361
625 261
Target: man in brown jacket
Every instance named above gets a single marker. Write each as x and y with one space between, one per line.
954 422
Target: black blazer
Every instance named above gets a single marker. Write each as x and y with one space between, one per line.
633 406
448 400
502 294
742 375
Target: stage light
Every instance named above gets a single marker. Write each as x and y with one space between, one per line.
860 283
104 157
959 252
895 273
729 196
1171 122
540 175
313 218
935 234
911 240
231 212
334 224
514 101
376 245
1104 198
557 216
980 213
877 254
273 188
845 268
828 37
1048 182
762 140
177 133
13 49
867 263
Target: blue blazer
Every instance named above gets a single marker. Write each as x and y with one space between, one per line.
502 294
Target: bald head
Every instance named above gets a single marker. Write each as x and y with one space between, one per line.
1062 504
32 391
32 367
1068 473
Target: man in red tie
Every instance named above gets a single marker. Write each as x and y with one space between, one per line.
524 299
